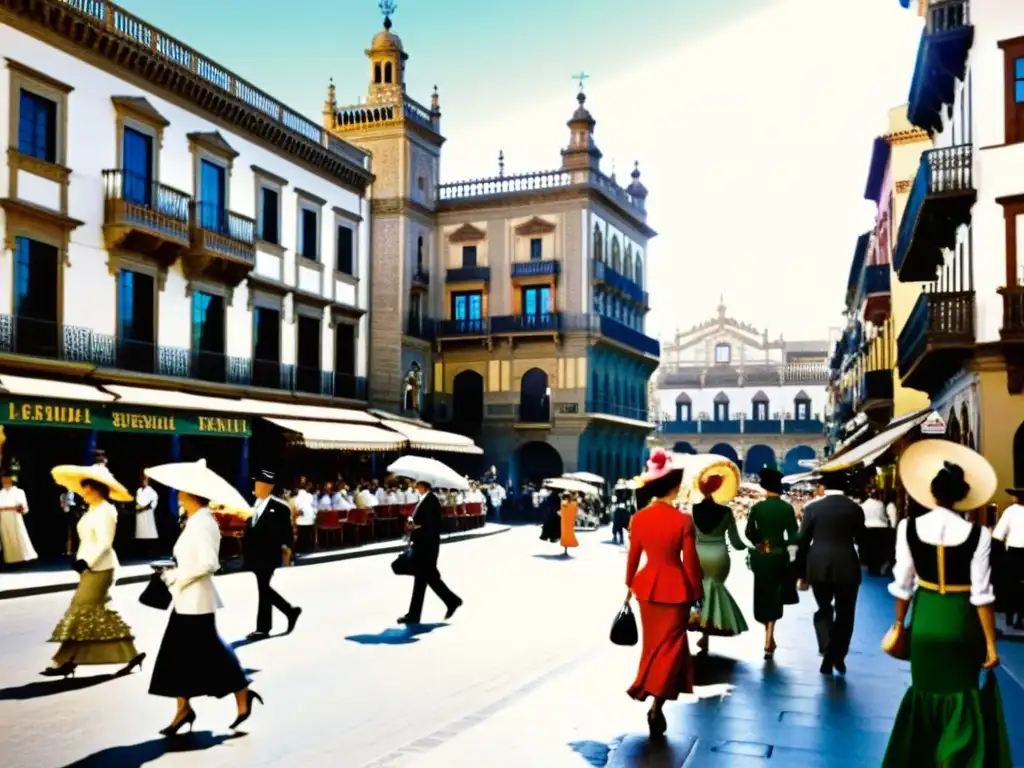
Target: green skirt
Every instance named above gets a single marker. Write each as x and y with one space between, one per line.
946 718
718 613
771 574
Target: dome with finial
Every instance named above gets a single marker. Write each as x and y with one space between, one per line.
386 40
635 188
582 114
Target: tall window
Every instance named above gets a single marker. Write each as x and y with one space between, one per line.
536 249
212 197
722 411
345 251
308 354
419 253
36 267
37 126
723 353
1017 106
536 304
309 247
684 411
136 321
760 411
266 347
270 216
137 166
345 360
469 255
468 309
803 410
208 336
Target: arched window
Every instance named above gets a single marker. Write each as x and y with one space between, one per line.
616 254
684 407
760 403
638 271
387 72
598 244
721 407
802 406
376 73
627 265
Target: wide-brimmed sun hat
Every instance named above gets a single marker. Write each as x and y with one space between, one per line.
923 460
713 475
196 479
659 465
71 476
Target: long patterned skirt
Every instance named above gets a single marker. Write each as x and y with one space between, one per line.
665 667
90 632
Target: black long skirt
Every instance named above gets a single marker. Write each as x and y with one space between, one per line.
194 661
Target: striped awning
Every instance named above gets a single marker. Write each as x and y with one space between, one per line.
865 453
338 436
423 439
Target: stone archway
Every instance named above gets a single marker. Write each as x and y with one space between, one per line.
759 457
534 399
468 399
794 456
726 450
537 461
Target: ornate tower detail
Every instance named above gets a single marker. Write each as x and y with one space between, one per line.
581 154
330 107
637 190
387 61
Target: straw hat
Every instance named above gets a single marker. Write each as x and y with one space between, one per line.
712 475
196 479
923 460
71 476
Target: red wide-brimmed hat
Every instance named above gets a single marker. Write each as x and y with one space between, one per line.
659 465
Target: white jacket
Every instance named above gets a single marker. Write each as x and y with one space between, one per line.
96 531
197 553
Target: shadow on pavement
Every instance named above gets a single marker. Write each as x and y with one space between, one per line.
713 670
396 635
641 750
44 688
594 752
236 644
136 755
559 556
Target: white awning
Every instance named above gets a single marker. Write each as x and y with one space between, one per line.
318 412
387 416
169 398
423 439
868 451
23 386
339 436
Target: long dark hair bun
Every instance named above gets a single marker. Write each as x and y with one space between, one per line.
949 486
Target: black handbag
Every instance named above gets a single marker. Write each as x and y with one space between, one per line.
624 627
403 564
156 594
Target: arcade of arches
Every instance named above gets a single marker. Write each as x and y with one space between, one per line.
754 458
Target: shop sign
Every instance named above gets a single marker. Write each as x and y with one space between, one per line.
106 417
934 425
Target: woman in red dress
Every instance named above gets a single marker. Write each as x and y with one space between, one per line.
666 587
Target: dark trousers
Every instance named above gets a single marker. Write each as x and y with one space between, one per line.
268 599
878 549
833 621
429 577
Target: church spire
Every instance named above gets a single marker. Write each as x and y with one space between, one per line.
582 153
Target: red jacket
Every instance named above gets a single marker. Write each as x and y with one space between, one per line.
662 532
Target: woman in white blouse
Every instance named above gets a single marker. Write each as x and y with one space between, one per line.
942 563
1010 531
14 540
90 631
193 660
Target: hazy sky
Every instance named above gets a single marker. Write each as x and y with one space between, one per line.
752 120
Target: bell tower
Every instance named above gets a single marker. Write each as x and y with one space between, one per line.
582 153
387 61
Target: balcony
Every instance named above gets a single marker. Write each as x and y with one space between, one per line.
1013 314
419 327
143 216
715 427
940 202
621 410
468 275
630 337
223 244
535 268
936 339
941 61
803 427
874 390
420 279
620 284
549 322
872 293
762 426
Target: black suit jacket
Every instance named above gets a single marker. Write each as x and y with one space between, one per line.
426 540
265 538
831 529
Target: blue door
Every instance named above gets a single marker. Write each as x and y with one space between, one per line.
137 165
211 196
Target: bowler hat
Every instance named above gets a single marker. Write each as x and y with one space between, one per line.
265 476
771 479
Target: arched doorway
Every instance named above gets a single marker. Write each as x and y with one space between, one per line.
726 450
684 447
758 457
537 461
468 401
534 397
1018 457
793 458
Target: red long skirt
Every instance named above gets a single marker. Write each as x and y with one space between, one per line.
665 667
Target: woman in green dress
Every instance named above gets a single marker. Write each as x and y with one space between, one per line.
946 718
771 528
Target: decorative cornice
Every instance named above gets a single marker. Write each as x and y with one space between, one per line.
467 233
213 142
535 226
140 109
397 206
82 34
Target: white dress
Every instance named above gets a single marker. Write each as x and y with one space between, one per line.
14 541
146 500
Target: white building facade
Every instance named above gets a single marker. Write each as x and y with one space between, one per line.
164 218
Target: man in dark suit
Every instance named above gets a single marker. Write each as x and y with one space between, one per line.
425 534
833 525
267 542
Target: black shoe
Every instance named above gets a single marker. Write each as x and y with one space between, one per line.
656 723
177 725
259 634
65 670
293 619
840 666
408 619
453 608
826 666
131 665
250 697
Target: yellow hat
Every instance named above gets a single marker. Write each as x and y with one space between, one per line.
923 460
71 476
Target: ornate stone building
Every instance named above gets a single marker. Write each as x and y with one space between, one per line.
511 307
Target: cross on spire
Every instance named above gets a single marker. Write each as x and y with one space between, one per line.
581 77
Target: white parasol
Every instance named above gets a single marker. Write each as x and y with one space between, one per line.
435 473
586 477
195 478
572 485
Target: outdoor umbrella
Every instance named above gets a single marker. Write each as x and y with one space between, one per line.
586 477
195 478
572 485
435 473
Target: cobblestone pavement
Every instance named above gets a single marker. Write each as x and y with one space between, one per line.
523 676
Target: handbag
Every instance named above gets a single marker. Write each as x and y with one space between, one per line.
896 643
403 564
156 594
624 627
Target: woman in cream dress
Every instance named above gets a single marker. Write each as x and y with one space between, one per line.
14 540
91 632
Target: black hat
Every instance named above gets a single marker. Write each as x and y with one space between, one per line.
265 476
771 479
1016 492
834 481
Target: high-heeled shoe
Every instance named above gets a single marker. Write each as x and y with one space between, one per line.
131 665
250 697
177 725
65 670
656 723
769 651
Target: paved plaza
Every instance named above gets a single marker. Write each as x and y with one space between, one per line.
523 676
